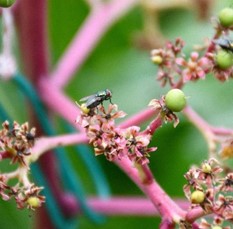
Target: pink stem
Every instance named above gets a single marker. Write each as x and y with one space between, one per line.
127 206
154 125
222 131
58 102
196 119
167 208
48 143
194 214
99 20
138 118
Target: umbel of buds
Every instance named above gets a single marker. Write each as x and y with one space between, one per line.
112 141
16 142
209 189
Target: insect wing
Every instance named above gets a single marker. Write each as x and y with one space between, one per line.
225 44
89 97
93 101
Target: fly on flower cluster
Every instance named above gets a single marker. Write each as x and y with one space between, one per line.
225 43
96 99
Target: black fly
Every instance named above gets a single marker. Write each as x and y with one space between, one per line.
94 100
225 44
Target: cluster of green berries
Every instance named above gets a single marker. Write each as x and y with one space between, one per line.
224 58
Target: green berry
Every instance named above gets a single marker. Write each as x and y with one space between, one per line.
197 197
6 3
224 59
206 168
157 59
33 202
226 17
175 100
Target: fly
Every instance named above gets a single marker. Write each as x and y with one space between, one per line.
225 44
94 100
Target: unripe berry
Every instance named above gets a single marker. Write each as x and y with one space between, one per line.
157 59
6 3
175 100
206 168
224 59
197 197
226 16
33 202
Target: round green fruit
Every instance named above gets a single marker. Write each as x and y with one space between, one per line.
197 197
224 59
6 3
175 100
226 17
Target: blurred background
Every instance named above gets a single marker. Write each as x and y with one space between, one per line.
121 62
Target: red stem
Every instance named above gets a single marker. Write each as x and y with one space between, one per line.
31 17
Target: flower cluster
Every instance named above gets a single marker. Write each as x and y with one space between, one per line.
24 196
177 69
211 191
217 224
194 68
111 141
166 60
17 141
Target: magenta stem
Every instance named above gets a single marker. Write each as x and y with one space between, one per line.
194 214
128 206
96 24
200 123
138 118
57 101
154 125
166 207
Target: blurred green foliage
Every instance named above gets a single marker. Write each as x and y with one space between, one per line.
116 63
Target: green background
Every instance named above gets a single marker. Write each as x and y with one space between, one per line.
116 63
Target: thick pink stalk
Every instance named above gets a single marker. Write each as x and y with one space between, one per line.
194 214
48 143
57 101
138 118
200 123
127 206
167 208
99 20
